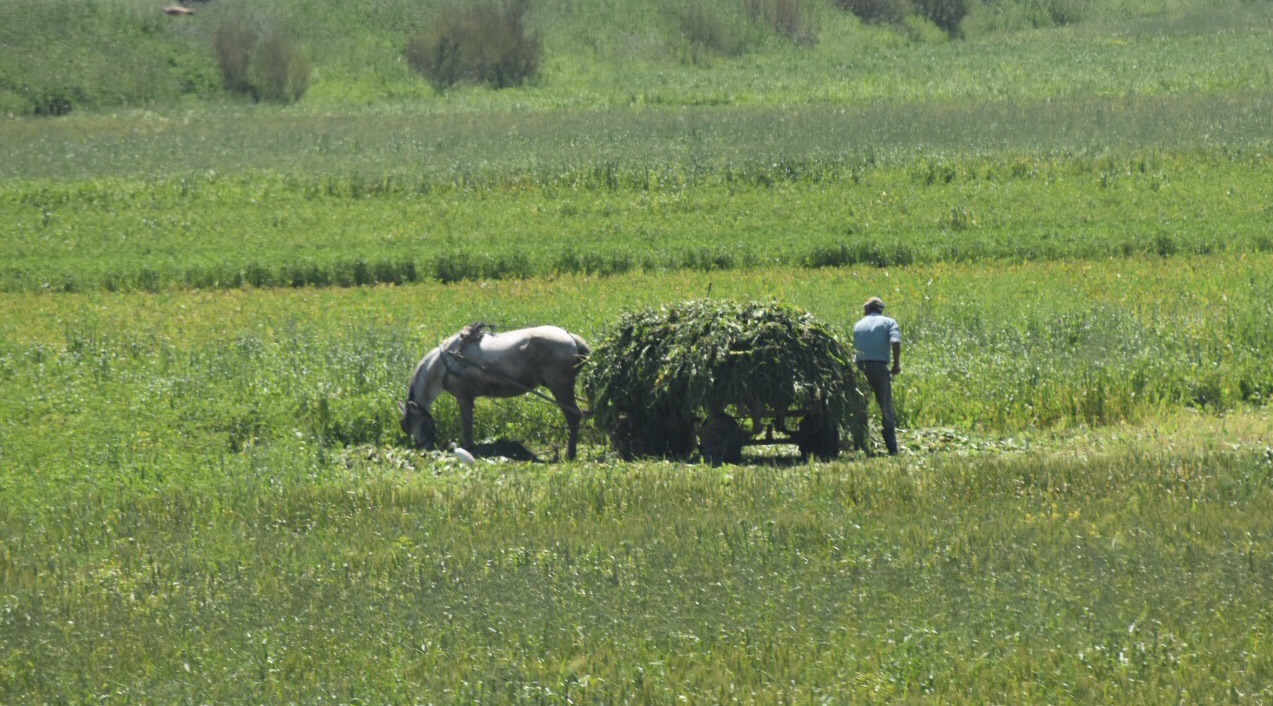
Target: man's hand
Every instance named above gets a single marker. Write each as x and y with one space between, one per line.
897 369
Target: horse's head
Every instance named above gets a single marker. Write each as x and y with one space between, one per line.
418 424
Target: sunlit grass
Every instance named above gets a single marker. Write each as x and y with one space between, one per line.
1133 567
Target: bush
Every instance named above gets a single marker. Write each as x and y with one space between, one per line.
488 43
877 11
786 17
1013 15
707 33
280 70
946 14
53 102
265 65
232 41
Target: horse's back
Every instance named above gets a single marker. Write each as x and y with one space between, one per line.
540 339
539 355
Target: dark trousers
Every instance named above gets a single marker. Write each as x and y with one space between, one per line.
881 382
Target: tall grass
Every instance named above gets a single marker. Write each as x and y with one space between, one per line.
1054 577
639 146
204 496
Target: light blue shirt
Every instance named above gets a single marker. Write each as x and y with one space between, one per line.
873 335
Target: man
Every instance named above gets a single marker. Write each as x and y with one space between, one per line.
874 337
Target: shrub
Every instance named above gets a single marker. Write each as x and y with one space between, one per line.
490 43
946 14
877 11
786 17
999 15
53 102
280 70
265 65
232 41
1065 12
707 33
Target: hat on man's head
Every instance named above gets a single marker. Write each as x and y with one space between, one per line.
874 304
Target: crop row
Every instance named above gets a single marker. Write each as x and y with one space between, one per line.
271 229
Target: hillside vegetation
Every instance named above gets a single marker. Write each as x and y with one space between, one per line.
68 56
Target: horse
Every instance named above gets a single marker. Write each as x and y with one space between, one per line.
478 363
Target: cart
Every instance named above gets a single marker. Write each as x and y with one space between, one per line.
712 377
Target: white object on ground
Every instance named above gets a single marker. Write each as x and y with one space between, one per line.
465 457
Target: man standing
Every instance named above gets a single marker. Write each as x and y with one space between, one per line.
874 337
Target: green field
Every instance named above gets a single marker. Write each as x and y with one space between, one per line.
210 308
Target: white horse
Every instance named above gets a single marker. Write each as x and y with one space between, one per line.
476 363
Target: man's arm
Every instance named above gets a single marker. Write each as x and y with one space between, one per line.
897 358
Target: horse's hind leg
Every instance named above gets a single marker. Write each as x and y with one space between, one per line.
572 446
565 396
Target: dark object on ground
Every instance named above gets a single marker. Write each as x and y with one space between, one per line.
506 448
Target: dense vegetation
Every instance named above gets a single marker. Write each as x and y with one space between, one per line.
205 496
214 231
94 55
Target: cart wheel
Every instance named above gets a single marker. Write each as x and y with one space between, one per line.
817 438
720 440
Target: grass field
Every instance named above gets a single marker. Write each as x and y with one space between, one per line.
276 229
1132 567
209 309
205 498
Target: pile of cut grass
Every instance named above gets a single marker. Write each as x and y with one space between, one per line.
663 371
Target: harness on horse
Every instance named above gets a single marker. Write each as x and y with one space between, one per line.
468 335
475 332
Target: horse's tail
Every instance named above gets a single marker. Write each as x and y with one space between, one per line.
582 349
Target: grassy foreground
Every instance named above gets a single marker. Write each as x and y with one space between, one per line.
203 499
1129 566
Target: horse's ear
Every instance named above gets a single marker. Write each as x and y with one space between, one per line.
412 405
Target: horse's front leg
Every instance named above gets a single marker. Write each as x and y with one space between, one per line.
466 418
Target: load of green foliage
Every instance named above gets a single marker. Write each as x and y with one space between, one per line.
660 373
